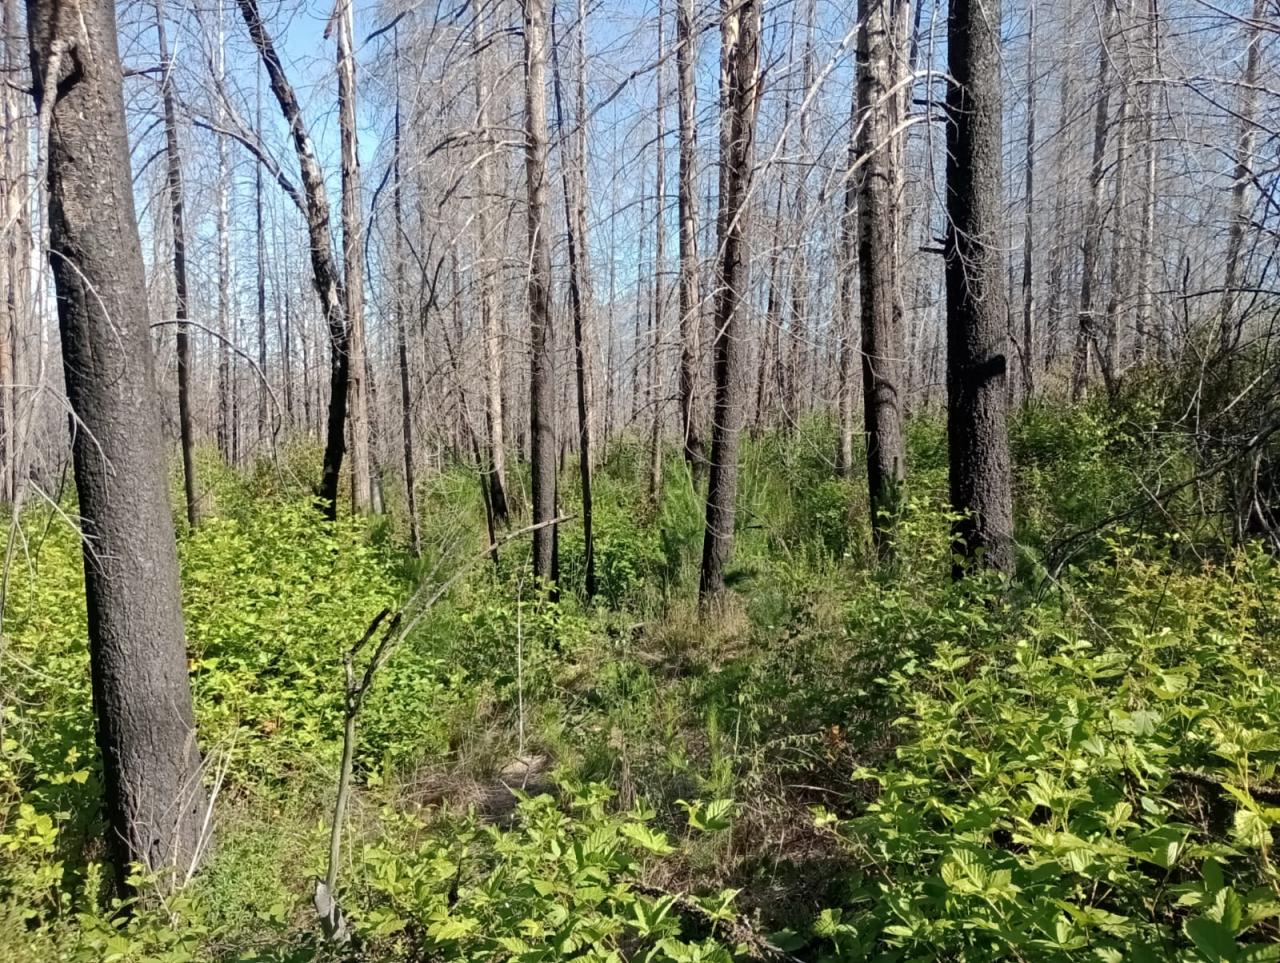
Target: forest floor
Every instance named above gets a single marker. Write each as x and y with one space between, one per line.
847 760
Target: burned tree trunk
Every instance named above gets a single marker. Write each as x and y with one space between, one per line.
659 274
353 265
575 216
977 336
690 303
177 220
490 322
848 276
1087 327
882 347
155 801
542 398
314 204
225 427
402 339
740 97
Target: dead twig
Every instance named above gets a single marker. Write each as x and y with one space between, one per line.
398 627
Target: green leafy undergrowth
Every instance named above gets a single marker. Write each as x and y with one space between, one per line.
1098 783
272 598
563 882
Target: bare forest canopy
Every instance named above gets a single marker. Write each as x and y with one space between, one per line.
1152 209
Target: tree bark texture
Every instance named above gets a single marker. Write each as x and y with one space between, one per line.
740 97
314 204
542 398
977 334
155 800
878 227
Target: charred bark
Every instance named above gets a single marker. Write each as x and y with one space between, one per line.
155 800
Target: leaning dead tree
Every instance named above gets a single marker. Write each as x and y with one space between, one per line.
312 200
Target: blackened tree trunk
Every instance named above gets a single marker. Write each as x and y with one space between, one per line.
740 97
225 426
882 346
177 221
362 499
402 340
977 337
575 217
1086 343
542 397
490 321
313 202
690 303
658 312
155 800
848 276
1028 223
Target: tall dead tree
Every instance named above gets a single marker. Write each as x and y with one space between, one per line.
542 397
1144 319
575 217
177 220
15 253
878 228
690 303
490 322
402 338
225 268
260 285
353 263
657 314
739 100
977 335
1118 278
1027 354
155 800
846 386
1242 176
799 373
1087 327
313 202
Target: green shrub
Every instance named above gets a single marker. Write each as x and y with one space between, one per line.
558 885
1086 786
